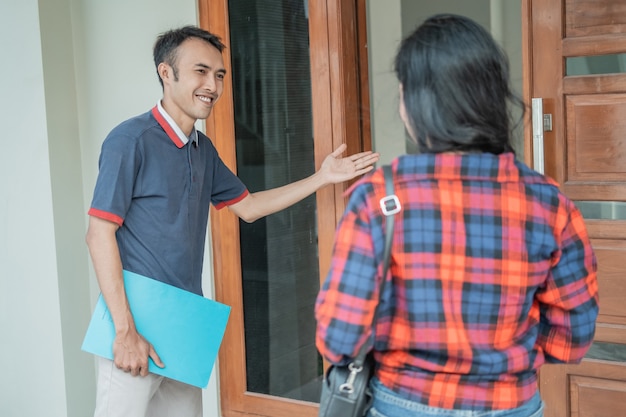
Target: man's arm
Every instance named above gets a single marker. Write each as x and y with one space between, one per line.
334 170
130 349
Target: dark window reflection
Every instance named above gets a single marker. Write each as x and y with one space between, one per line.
274 139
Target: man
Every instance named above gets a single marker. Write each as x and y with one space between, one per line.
157 177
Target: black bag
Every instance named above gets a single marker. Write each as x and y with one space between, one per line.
345 389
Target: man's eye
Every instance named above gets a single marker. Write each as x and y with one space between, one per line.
201 71
220 76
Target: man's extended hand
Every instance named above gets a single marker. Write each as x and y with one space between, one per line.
337 169
131 352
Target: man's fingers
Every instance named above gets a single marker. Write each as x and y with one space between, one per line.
129 362
368 154
337 152
155 358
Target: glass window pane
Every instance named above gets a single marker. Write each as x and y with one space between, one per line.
602 210
607 352
593 65
274 139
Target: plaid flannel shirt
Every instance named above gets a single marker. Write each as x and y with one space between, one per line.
492 274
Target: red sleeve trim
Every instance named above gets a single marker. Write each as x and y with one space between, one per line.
105 215
233 201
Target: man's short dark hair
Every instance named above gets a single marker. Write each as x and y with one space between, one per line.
167 43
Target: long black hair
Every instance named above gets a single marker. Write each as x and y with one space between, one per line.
456 87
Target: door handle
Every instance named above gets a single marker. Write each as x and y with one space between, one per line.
537 118
541 123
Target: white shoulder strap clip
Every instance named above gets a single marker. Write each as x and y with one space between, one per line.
390 204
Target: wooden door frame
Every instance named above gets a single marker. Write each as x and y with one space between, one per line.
553 142
340 104
527 78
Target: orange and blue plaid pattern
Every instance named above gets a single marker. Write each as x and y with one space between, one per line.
492 274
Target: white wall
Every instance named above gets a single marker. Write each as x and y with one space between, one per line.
31 356
73 70
66 185
509 35
384 33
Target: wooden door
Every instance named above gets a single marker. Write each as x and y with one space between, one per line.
574 52
338 96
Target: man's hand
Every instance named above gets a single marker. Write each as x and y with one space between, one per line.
334 169
337 169
131 352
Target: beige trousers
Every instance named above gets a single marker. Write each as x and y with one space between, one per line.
119 394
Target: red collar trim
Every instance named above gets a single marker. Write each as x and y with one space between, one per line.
166 126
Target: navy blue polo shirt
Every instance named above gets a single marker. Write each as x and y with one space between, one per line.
157 185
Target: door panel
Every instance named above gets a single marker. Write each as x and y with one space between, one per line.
595 388
594 17
575 59
275 123
595 396
595 141
611 255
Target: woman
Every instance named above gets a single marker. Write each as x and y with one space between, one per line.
492 273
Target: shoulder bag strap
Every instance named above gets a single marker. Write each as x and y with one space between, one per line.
390 205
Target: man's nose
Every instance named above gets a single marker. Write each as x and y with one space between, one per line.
210 83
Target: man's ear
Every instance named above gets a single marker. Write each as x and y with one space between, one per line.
165 71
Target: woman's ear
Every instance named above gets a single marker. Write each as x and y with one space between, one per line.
403 114
402 109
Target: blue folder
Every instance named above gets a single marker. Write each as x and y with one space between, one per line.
185 329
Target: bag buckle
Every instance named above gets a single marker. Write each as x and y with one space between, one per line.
390 205
348 386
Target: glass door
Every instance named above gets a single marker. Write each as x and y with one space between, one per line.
274 146
295 90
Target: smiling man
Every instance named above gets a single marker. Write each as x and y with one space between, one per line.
157 178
